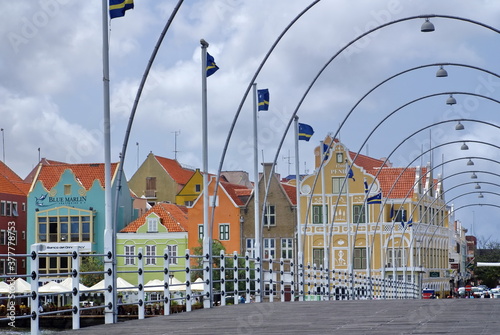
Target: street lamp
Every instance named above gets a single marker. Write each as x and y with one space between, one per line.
459 126
470 162
451 100
427 26
441 72
464 147
473 176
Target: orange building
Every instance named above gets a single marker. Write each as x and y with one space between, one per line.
231 200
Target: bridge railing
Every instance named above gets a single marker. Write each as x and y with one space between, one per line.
233 276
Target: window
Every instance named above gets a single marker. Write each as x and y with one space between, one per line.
150 251
267 287
337 184
197 188
67 189
270 216
172 254
54 264
8 209
3 237
340 157
150 191
14 209
200 231
287 248
269 248
400 215
317 212
250 247
2 266
394 261
153 225
318 256
224 232
64 228
359 258
129 252
24 234
3 208
358 212
24 207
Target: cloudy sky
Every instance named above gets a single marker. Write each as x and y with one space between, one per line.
51 100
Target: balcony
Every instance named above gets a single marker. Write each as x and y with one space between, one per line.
150 194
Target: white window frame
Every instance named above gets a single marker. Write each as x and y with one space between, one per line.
270 215
224 232
269 248
172 253
153 224
129 251
150 251
287 248
250 247
201 231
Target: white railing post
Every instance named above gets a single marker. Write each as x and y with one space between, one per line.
35 275
166 282
271 282
281 281
140 280
75 264
188 282
223 291
235 279
247 276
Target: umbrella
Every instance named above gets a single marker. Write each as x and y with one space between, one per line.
198 285
121 284
22 286
154 282
68 284
4 288
53 287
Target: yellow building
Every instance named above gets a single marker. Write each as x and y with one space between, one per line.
401 233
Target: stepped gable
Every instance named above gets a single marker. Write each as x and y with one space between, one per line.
172 216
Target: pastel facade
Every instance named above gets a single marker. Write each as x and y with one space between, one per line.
161 230
66 208
404 235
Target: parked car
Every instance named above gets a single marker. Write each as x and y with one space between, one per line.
495 293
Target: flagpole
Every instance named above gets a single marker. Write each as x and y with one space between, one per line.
207 243
109 236
256 193
324 209
350 252
367 235
299 261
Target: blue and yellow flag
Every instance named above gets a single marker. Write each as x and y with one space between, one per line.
305 132
376 199
365 183
117 8
263 98
350 173
326 151
211 66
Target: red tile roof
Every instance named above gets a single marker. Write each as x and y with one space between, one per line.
172 216
14 188
8 173
367 162
86 174
291 192
237 192
405 181
175 170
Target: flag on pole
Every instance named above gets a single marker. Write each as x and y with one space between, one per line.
403 216
117 8
211 66
305 132
326 154
366 186
410 223
263 98
350 173
391 213
376 199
